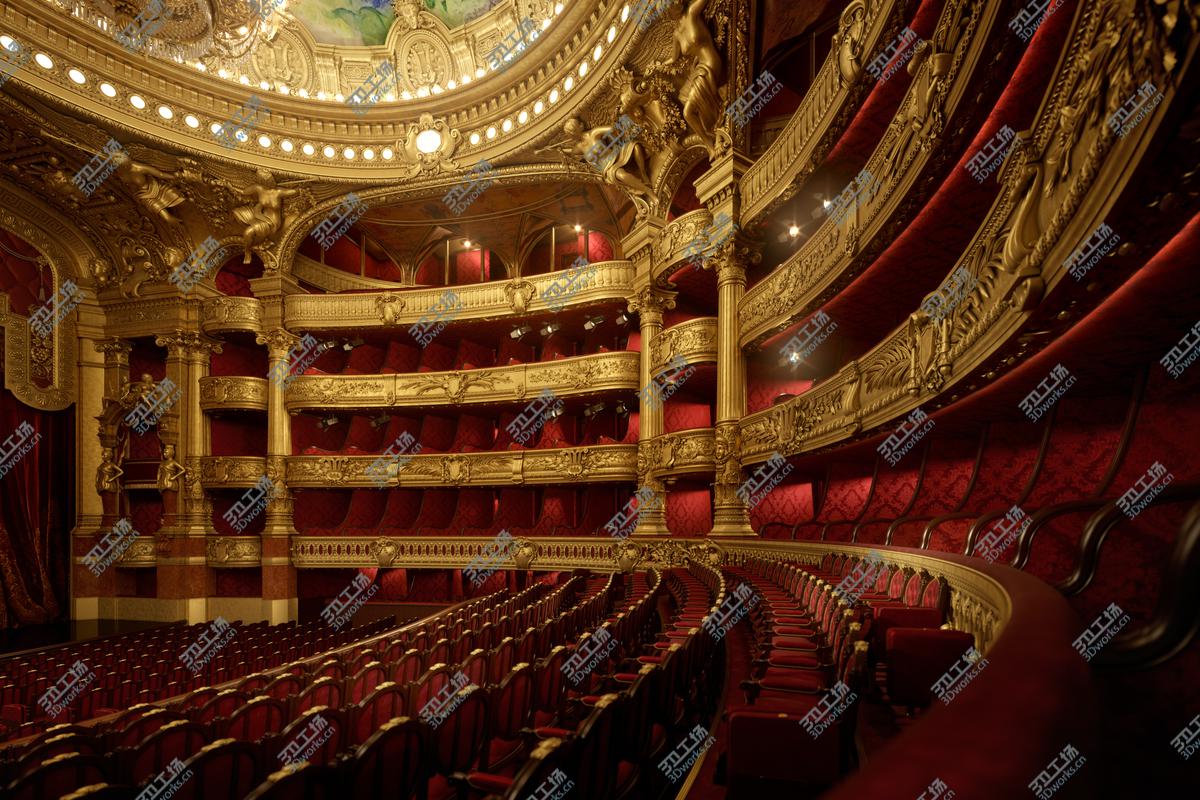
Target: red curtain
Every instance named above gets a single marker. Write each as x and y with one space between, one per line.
36 520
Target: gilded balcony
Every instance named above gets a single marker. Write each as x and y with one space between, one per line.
679 240
687 452
231 472
218 393
140 554
591 464
233 551
223 314
610 281
569 377
694 340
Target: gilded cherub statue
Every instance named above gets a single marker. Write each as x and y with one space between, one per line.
263 217
154 189
109 473
169 470
611 152
699 88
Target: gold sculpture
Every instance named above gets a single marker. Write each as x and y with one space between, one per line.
152 187
617 168
109 473
263 217
700 87
169 470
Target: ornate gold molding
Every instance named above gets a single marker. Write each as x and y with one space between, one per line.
233 551
681 453
332 279
694 340
146 316
27 356
232 314
612 280
231 472
914 139
142 552
568 377
826 110
596 463
671 247
233 391
1046 210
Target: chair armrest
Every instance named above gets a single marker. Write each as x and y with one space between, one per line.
1038 520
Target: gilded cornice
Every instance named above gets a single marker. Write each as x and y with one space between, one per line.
827 108
470 109
694 340
220 314
231 472
596 463
569 377
1058 187
947 75
130 319
681 453
233 392
610 281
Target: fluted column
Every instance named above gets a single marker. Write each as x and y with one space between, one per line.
649 304
730 517
183 572
278 575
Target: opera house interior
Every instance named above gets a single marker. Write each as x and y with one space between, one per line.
599 399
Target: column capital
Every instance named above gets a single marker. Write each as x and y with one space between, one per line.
650 302
187 344
115 349
277 340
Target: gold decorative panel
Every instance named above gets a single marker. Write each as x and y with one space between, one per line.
232 314
233 391
675 243
597 463
233 551
681 453
142 552
231 472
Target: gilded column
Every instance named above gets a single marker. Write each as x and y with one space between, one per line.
278 574
649 304
183 572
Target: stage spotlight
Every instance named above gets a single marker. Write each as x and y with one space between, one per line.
593 322
550 327
328 423
622 318
593 410
621 409
380 421
519 333
350 344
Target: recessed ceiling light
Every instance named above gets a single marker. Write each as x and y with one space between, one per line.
76 76
479 72
107 90
583 68
328 151
474 138
368 154
349 154
7 42
222 73
523 117
625 13
200 66
506 126
44 61
387 154
612 34
539 107
568 84
191 121
137 102
436 89
339 97
216 127
599 51
165 112
286 145
321 95
302 92
264 141
243 30
558 7
264 85
244 80
490 132
553 96
308 149
451 84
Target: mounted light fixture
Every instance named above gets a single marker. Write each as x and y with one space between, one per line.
555 412
593 409
328 422
466 242
578 228
550 327
380 421
350 344
621 409
622 318
591 324
521 332
794 231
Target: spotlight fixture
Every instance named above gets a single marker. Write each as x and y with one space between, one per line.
825 203
519 333
329 345
466 242
350 344
380 421
591 324
578 228
794 231
622 318
593 409
328 423
549 328
621 409
555 412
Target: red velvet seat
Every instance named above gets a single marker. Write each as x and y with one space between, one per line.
391 763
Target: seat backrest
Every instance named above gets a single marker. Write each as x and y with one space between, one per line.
285 686
364 681
225 768
461 736
595 776
408 667
140 728
512 702
323 692
261 716
316 736
58 776
177 739
391 762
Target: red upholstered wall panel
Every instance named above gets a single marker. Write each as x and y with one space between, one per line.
430 273
437 433
234 277
402 509
238 436
680 414
239 358
145 511
319 511
19 275
787 502
689 510
1082 446
245 582
222 502
764 386
438 356
401 356
144 446
516 509
366 359
473 516
437 510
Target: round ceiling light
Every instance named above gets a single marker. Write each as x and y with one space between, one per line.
286 145
429 141
137 102
165 112
44 61
76 76
308 149
328 151
107 90
191 121
474 138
